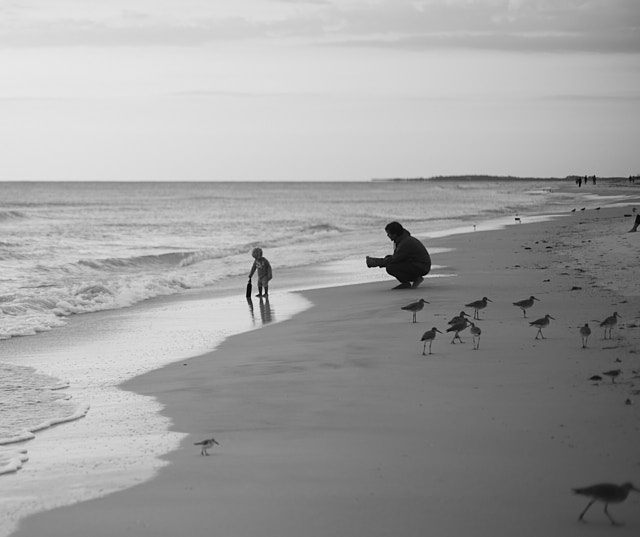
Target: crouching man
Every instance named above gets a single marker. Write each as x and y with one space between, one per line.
410 261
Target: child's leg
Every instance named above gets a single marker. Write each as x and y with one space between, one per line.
266 289
259 289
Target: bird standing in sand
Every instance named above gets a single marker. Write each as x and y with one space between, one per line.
457 328
478 305
475 334
606 493
609 323
585 332
613 374
458 318
206 444
415 307
429 336
540 324
524 305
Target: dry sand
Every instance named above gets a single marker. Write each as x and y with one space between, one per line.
334 424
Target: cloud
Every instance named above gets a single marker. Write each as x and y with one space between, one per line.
602 26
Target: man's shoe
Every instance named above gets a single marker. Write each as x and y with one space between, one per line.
405 285
417 282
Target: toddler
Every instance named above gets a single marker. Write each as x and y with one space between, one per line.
262 265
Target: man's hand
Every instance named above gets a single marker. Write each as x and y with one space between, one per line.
373 261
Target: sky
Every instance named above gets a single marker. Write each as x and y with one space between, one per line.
322 90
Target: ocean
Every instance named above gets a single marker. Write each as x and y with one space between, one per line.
101 282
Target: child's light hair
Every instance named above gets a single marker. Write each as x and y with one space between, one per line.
256 252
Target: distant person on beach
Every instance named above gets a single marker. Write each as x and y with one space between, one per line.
410 260
262 265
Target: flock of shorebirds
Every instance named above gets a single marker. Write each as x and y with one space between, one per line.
605 493
461 322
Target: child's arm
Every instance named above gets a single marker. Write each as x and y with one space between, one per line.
253 269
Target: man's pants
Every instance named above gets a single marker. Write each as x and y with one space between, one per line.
406 272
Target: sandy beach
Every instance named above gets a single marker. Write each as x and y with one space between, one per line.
334 423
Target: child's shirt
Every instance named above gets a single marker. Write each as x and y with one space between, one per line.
263 267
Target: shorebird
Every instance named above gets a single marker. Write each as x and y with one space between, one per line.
475 333
478 305
429 336
585 332
206 444
612 374
524 305
457 328
609 323
415 307
540 324
458 318
606 493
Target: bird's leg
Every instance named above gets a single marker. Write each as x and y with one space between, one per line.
414 316
606 512
424 348
430 342
585 510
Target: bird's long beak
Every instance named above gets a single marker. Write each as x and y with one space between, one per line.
552 317
534 298
437 331
636 489
489 300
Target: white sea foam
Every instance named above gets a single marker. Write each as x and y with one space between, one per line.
11 459
120 440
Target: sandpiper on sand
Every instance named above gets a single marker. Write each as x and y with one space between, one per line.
613 374
415 307
524 305
585 332
206 444
429 336
475 334
609 323
458 318
478 305
457 328
606 493
540 324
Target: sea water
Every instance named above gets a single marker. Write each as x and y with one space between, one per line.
101 282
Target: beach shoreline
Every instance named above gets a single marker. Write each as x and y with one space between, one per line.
333 421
